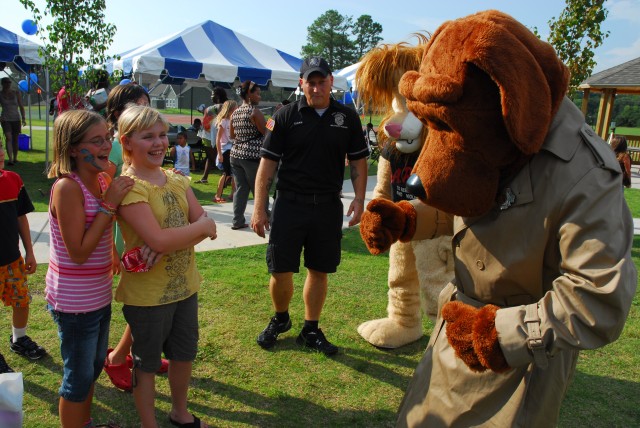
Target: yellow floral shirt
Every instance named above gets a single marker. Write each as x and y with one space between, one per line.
175 277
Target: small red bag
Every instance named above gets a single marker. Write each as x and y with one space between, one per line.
133 261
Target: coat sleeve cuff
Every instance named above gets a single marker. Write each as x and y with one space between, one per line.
512 336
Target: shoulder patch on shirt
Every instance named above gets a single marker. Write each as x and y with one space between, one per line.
270 124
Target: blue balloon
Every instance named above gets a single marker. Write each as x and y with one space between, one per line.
23 85
125 81
29 27
33 77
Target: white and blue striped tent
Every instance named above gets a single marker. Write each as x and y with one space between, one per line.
18 50
209 52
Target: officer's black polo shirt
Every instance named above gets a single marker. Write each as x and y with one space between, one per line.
313 148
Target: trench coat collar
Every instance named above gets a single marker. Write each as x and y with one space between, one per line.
561 141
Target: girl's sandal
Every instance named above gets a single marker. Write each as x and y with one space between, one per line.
195 424
219 200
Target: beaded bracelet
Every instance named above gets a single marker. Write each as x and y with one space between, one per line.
106 205
103 210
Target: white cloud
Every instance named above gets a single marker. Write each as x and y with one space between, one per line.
616 56
624 10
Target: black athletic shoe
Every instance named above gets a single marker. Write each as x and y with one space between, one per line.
27 348
4 367
316 340
269 335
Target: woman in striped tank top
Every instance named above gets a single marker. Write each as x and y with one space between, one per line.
82 255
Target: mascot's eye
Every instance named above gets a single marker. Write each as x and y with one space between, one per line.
437 124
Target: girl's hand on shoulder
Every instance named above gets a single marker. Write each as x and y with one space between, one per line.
118 190
177 171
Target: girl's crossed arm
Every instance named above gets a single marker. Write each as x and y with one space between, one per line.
140 217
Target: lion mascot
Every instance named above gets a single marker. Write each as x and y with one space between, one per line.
542 234
400 138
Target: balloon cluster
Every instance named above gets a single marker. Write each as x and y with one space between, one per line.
24 85
29 27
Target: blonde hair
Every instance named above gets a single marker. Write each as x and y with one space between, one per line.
68 130
225 111
137 118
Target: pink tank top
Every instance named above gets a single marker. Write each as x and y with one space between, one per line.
79 288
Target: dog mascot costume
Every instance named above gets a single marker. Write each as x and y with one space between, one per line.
411 286
542 235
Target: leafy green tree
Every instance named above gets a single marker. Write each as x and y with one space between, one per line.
77 37
339 39
367 33
576 33
629 116
328 37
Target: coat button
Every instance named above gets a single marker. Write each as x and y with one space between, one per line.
480 264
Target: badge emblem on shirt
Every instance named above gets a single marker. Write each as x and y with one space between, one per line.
339 118
270 124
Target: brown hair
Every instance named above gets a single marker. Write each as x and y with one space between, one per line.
619 143
118 99
247 87
68 130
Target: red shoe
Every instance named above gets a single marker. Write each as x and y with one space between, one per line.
120 374
164 366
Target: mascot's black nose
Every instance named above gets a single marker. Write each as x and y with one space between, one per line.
414 186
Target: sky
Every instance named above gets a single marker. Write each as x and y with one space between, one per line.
283 23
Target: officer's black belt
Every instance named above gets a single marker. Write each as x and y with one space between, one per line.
308 198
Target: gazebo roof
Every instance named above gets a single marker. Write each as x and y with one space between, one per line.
624 78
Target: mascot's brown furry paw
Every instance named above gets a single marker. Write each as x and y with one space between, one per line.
472 334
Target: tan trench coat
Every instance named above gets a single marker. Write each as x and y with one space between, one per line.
563 247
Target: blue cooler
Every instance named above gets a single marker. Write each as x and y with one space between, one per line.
24 142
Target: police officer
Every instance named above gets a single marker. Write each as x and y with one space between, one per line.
309 139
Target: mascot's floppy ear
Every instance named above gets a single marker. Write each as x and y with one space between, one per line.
531 78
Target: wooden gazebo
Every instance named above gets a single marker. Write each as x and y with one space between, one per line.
621 79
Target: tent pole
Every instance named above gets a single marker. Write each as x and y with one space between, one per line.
29 104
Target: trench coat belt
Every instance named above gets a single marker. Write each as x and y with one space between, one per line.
308 198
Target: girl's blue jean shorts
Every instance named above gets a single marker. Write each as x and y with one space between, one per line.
84 339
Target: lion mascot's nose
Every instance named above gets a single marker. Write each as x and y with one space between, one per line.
414 186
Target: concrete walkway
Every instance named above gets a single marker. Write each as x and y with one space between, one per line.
221 213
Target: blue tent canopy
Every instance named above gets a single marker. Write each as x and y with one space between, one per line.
18 50
209 52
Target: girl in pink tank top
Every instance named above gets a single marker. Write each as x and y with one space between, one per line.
82 255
